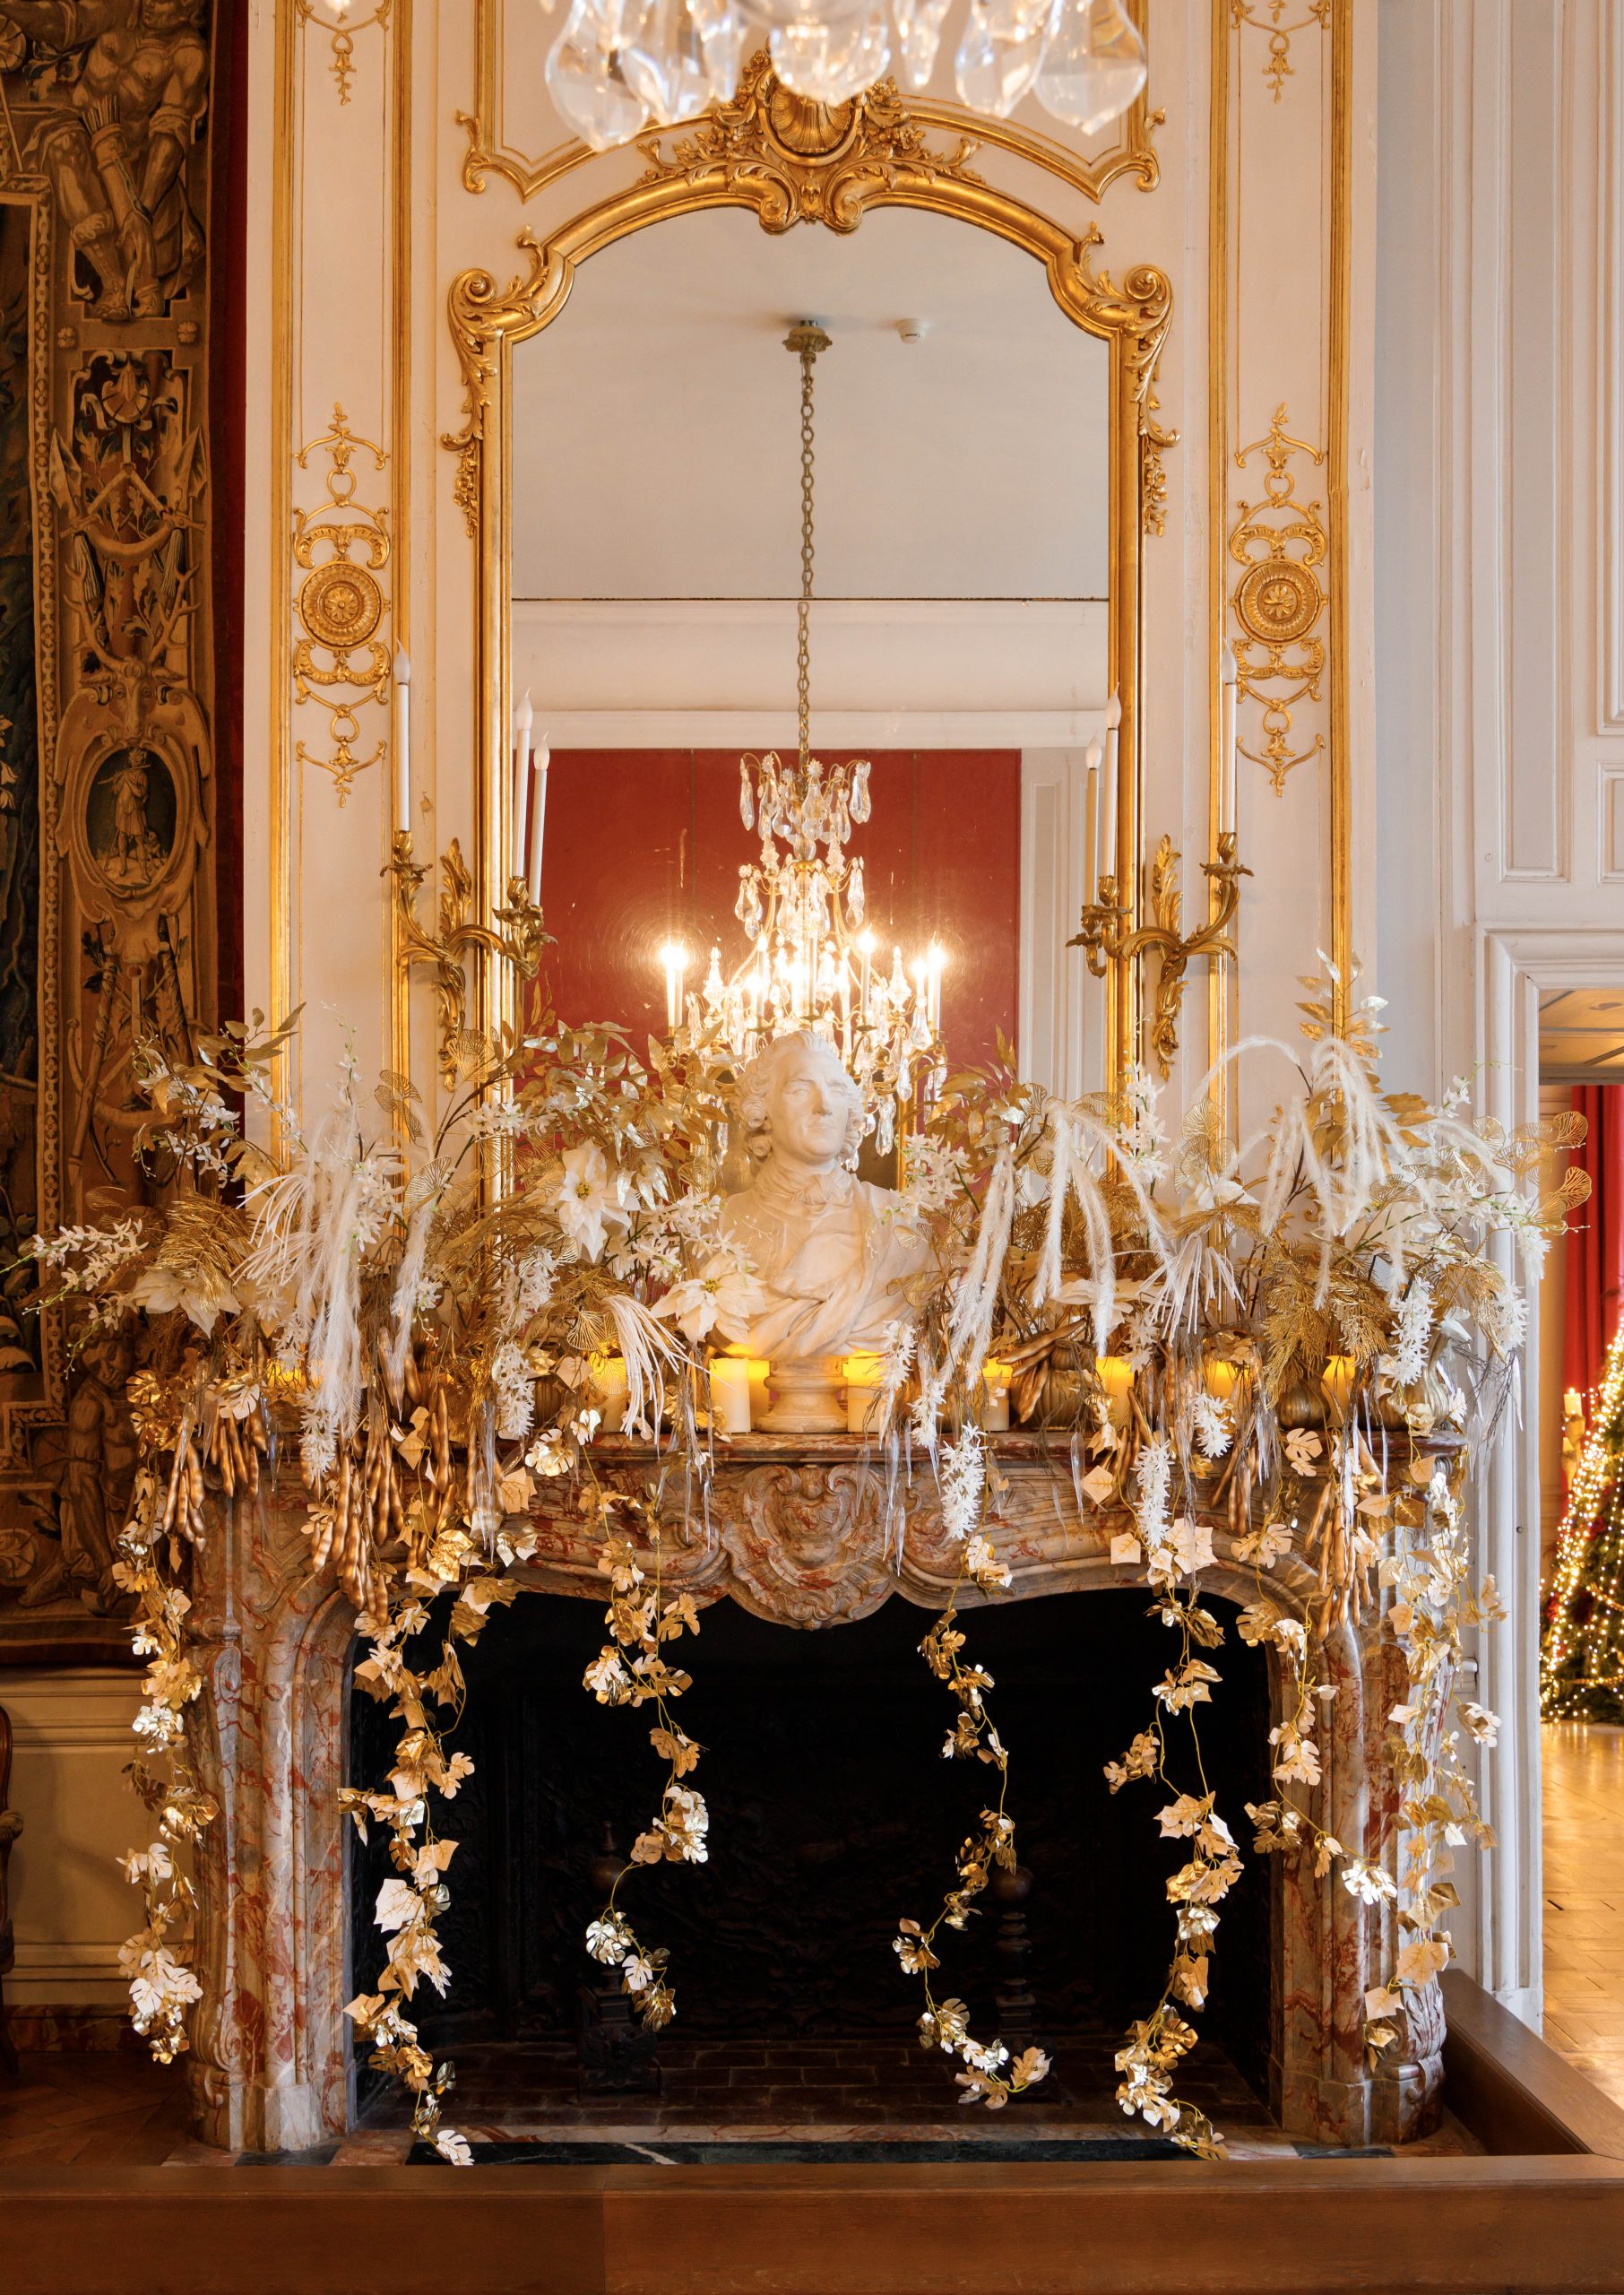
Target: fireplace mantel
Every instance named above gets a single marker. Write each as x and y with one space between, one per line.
809 1532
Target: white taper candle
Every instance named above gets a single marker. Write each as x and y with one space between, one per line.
538 832
402 740
1229 674
524 717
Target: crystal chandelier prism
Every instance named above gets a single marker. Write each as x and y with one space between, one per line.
619 66
810 961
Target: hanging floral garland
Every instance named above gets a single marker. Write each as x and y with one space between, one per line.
1178 1312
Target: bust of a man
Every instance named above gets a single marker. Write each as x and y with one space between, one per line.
828 1248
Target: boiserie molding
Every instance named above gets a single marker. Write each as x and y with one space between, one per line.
341 35
1266 16
490 153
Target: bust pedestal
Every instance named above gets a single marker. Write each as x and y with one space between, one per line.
804 1396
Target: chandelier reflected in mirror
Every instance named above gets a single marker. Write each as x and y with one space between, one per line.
810 961
620 65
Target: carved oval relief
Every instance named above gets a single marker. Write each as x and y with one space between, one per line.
131 810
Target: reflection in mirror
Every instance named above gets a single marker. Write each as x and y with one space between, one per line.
957 461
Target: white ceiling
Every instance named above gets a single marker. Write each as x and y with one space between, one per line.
655 423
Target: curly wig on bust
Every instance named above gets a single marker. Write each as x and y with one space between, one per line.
757 1080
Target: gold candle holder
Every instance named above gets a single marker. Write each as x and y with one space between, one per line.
516 936
1108 944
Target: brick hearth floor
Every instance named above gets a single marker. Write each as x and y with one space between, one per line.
121 2108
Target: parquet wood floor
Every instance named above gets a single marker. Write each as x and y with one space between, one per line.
1584 1888
114 2111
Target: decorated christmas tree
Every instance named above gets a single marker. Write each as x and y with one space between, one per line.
1582 1663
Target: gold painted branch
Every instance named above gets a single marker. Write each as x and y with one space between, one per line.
519 941
1108 945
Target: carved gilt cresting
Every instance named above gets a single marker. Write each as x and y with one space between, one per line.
792 160
1132 156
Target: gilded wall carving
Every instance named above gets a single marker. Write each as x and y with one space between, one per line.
1278 599
339 663
107 756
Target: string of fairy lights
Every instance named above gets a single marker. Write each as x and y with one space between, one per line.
1582 1661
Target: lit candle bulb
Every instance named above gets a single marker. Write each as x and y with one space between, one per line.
539 833
402 740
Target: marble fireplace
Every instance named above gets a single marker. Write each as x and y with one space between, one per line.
793 1532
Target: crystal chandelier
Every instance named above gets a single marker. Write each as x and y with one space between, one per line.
620 65
810 962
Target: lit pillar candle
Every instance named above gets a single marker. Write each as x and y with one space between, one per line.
1116 1376
996 1378
1221 1377
609 1380
863 1373
730 1394
539 833
524 717
758 1367
402 739
1336 1382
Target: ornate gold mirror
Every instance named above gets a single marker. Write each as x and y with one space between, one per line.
980 438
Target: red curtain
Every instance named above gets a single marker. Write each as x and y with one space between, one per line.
1594 1240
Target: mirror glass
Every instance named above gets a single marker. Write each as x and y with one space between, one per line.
961 476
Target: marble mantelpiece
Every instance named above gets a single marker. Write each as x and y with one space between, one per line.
804 1530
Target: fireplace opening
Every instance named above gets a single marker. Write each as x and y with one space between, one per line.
833 1813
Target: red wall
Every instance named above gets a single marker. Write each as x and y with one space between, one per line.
645 845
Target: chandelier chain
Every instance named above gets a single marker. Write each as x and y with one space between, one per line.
806 341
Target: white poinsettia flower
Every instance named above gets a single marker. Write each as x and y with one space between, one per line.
198 1293
724 1296
588 1200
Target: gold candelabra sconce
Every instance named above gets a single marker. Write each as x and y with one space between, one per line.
1108 943
515 936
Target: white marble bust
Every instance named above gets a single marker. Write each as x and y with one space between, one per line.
828 1248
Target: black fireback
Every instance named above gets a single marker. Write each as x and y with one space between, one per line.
833 1812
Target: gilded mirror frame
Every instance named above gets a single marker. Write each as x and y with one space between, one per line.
795 162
